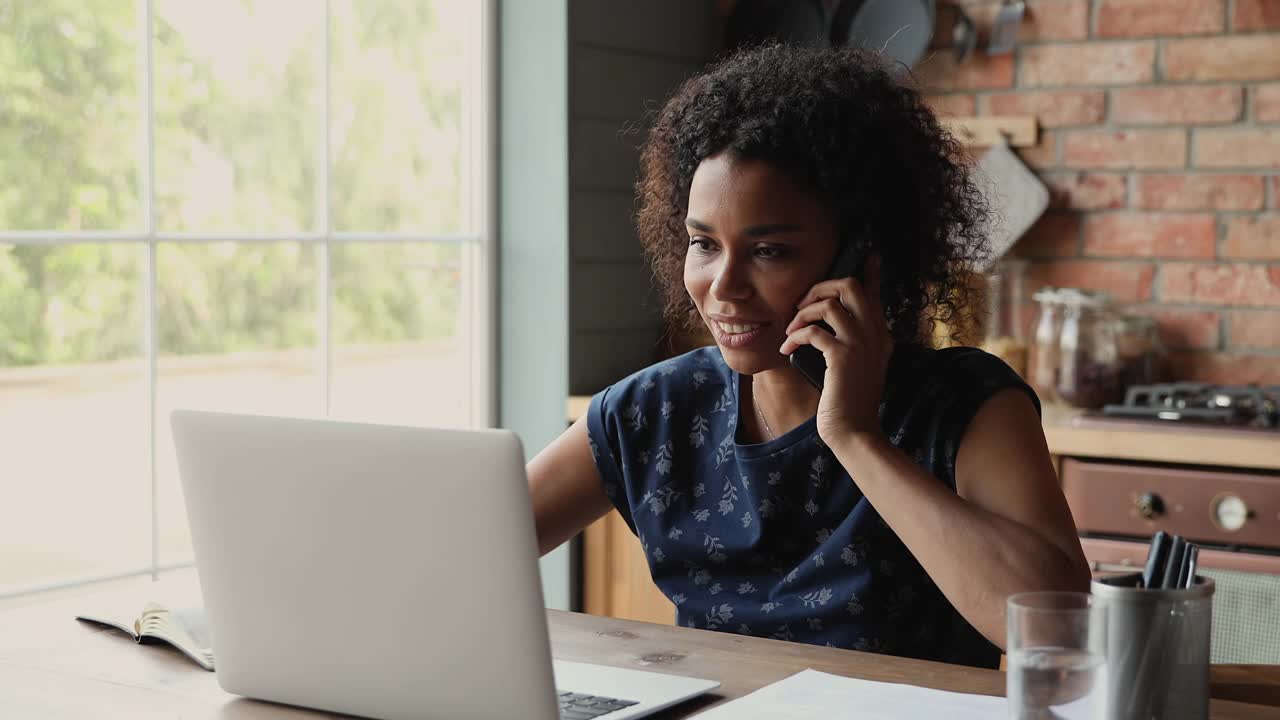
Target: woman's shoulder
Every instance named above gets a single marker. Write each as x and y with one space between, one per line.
953 382
931 396
958 367
637 427
691 375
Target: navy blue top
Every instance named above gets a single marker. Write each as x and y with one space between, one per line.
775 539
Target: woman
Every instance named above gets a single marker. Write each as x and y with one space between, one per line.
893 510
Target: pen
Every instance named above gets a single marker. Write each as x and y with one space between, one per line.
1193 559
1181 580
1155 559
1177 553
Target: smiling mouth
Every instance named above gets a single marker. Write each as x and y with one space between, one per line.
737 328
737 335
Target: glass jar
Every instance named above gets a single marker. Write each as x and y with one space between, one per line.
1003 334
1042 355
1089 365
1141 354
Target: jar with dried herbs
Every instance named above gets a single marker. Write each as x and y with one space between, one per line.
1089 367
1042 356
1141 354
1002 327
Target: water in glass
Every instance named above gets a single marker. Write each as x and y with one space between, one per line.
1056 682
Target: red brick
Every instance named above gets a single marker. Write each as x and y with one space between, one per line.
1251 15
1151 235
940 72
1052 109
1240 57
953 104
1087 64
1044 19
1226 368
1266 102
1253 237
1181 328
1126 149
1043 154
1086 191
1186 105
1243 147
1220 284
1127 282
1254 329
1055 235
1141 18
1200 192
1188 328
1059 20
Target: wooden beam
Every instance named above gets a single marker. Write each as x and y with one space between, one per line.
1018 130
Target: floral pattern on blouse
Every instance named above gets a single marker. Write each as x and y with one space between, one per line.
775 539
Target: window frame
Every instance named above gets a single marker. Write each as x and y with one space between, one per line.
480 247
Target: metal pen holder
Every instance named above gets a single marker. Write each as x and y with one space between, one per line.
1157 649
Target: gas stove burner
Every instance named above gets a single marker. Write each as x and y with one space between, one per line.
1251 405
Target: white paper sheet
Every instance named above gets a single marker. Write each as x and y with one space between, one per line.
812 694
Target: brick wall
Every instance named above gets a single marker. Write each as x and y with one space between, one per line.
1160 141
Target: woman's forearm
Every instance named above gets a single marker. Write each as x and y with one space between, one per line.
976 557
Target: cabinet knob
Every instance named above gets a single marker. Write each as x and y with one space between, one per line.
1149 506
1229 512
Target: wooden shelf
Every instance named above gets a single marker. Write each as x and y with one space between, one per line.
1017 130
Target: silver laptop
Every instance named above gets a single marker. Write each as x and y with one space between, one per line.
382 571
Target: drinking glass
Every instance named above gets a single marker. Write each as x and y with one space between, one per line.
1057 656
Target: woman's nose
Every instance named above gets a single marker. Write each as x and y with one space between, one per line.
732 281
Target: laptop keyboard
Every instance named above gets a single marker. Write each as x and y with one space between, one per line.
579 706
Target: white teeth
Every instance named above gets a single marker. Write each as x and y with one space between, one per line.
737 329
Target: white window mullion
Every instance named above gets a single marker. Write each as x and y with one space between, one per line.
40 237
485 342
150 299
325 220
72 237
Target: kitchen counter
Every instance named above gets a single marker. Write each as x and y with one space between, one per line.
1069 434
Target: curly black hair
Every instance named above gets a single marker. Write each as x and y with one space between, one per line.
839 123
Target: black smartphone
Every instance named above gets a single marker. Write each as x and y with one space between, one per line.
807 358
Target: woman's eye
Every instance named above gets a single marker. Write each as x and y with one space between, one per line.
701 244
770 253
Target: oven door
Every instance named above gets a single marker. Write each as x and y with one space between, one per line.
1107 557
1234 515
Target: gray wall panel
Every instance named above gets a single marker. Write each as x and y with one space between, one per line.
615 85
602 226
613 296
605 155
671 28
603 358
625 59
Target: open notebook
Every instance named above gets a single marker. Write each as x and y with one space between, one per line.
184 628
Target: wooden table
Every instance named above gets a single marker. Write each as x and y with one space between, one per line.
54 667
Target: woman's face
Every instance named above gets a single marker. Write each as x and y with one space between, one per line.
757 243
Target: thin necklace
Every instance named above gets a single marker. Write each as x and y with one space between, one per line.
756 403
